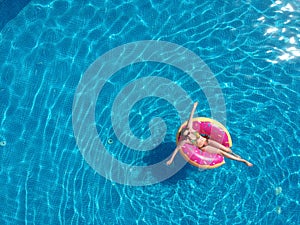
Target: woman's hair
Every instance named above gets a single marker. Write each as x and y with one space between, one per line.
205 136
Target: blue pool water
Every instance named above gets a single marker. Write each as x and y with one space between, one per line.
251 47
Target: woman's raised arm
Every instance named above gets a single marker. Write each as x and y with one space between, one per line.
190 121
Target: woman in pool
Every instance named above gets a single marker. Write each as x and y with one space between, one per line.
191 136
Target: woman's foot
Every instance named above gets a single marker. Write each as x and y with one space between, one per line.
248 163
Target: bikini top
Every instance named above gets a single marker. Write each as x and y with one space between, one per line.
194 141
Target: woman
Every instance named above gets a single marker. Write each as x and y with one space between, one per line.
191 136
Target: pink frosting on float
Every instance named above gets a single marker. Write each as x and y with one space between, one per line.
200 157
215 133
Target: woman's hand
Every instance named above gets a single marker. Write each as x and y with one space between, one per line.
169 162
195 104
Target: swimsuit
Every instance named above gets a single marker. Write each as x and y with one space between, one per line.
194 141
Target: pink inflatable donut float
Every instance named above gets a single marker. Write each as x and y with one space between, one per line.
216 131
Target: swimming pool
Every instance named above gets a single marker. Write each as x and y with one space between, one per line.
251 48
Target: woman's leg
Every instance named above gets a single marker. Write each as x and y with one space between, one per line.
214 150
221 147
237 158
218 145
